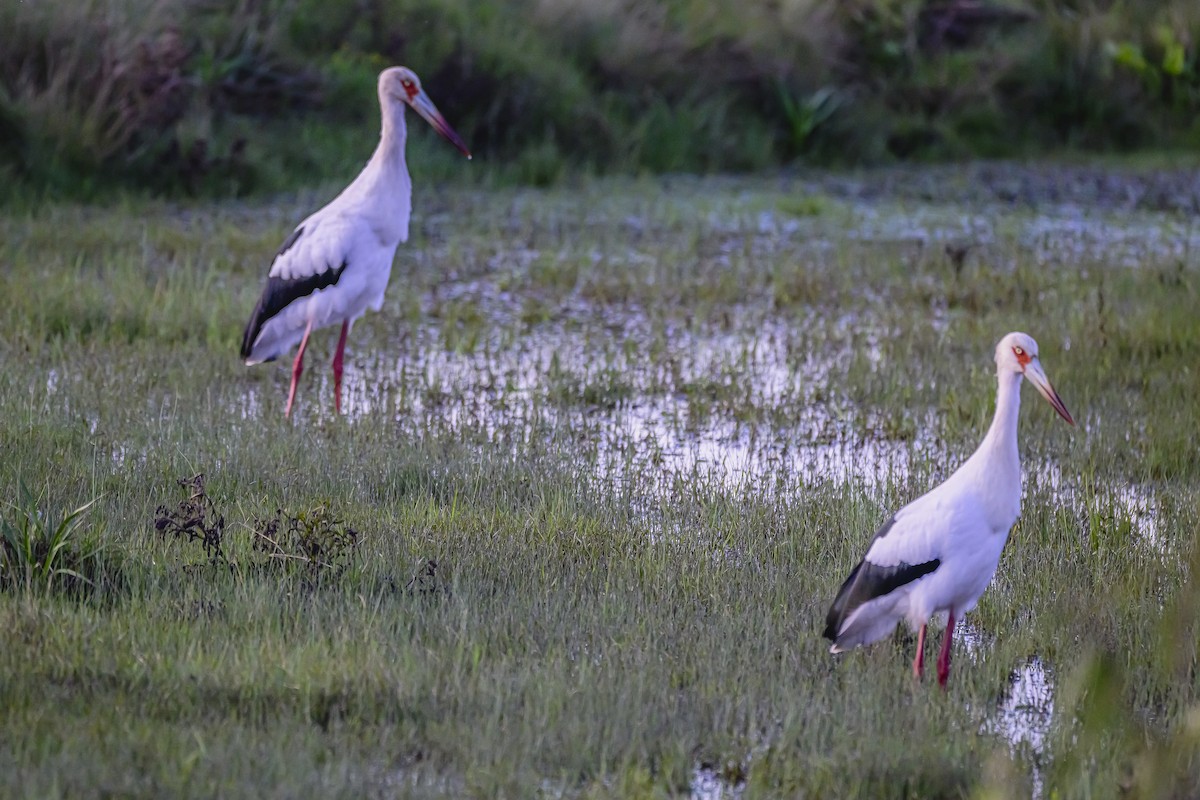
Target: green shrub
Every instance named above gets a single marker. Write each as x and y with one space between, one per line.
41 552
229 97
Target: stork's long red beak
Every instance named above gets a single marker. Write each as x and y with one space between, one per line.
1033 371
425 107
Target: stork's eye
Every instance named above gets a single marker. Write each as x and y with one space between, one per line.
1018 351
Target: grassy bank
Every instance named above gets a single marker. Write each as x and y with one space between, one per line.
236 97
643 428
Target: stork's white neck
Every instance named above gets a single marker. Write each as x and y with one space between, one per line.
393 132
1001 438
994 470
383 190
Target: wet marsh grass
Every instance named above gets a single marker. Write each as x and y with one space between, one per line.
620 598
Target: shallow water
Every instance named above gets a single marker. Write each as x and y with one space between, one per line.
1023 714
714 406
1122 504
750 410
707 784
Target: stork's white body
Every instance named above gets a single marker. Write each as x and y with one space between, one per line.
361 228
963 523
337 262
938 554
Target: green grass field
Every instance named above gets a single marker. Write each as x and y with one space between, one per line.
644 428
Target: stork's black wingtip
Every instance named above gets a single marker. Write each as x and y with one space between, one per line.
249 336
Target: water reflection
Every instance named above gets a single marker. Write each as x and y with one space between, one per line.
707 784
745 409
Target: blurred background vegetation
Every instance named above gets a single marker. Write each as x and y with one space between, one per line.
229 97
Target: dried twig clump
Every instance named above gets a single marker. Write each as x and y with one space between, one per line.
315 543
195 520
427 581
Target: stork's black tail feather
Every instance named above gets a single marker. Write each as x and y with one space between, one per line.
253 327
868 581
277 295
837 611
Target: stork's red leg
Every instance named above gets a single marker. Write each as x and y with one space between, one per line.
297 370
337 368
943 663
919 660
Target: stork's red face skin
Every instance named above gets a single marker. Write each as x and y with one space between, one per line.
1022 357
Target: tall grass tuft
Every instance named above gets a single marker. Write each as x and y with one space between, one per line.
41 552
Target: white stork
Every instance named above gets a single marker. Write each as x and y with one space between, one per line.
335 264
938 553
